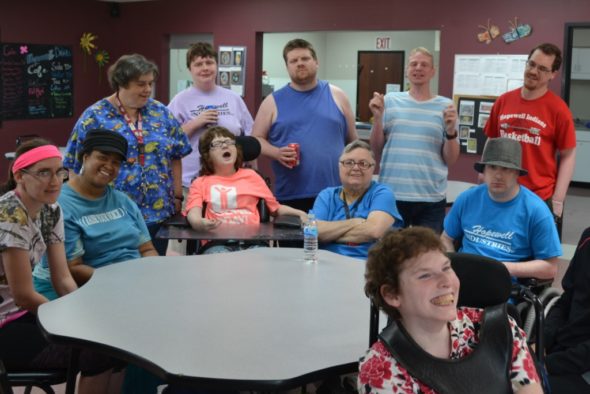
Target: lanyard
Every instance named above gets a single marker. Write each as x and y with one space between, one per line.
137 131
355 203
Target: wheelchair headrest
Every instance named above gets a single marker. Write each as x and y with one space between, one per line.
484 281
250 147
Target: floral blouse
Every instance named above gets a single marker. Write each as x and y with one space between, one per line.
151 185
19 230
380 373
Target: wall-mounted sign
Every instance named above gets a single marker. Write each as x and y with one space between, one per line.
383 42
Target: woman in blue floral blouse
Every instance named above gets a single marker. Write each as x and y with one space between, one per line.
151 175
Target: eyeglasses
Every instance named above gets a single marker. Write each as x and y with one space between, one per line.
363 164
47 175
531 64
222 143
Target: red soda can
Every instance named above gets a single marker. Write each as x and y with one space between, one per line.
295 147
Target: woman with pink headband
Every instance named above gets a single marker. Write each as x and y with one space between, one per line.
31 224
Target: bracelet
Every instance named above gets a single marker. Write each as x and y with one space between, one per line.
556 202
451 137
179 198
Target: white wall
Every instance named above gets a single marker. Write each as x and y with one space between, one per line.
338 54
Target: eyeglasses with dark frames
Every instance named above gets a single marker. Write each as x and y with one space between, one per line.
222 143
531 64
362 164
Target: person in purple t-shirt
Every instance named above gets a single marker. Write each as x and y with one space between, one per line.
205 104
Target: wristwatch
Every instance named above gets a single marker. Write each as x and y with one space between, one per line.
451 137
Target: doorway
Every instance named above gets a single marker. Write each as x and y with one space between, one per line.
376 70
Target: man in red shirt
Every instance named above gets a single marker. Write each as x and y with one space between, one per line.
542 122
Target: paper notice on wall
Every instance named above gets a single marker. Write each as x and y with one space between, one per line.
487 75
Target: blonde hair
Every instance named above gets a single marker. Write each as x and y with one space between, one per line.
423 51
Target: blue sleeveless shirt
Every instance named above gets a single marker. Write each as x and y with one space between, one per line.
313 120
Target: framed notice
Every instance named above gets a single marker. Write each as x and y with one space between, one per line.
487 75
231 68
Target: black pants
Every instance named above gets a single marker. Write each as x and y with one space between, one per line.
427 214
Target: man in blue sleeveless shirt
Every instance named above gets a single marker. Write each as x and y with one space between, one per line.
308 112
414 134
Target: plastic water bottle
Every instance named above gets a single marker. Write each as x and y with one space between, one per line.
310 239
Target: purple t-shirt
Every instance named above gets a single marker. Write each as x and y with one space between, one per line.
232 114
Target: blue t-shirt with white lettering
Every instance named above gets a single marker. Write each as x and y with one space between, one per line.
104 231
515 230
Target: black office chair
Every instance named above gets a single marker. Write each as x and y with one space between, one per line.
29 379
41 379
4 385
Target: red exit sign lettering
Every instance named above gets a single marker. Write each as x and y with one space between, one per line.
383 42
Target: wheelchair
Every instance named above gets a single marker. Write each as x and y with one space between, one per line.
534 299
485 283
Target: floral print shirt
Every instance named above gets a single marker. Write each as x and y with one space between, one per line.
380 373
19 230
151 185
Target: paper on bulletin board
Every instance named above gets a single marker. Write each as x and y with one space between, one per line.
231 68
487 75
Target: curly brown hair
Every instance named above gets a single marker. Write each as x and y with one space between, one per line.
388 257
205 145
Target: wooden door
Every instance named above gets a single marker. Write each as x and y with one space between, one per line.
376 69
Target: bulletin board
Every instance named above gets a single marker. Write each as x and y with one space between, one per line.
487 75
474 112
36 81
231 68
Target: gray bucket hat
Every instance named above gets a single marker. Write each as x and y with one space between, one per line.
501 152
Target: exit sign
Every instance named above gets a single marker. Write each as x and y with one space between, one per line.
382 42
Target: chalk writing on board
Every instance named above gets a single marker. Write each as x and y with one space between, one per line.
37 81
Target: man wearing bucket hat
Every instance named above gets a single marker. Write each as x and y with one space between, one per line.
502 219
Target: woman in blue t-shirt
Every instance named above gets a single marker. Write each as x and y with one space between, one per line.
102 225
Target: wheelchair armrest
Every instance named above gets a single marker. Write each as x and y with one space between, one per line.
178 220
534 282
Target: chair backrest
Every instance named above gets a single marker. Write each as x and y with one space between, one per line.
251 147
4 385
484 281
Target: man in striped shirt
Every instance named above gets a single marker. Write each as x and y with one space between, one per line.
414 136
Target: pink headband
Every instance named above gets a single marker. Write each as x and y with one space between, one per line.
35 155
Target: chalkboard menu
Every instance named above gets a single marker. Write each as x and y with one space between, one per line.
36 81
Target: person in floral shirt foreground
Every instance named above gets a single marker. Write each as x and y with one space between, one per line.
411 279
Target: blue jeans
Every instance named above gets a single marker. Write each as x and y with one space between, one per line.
160 244
427 214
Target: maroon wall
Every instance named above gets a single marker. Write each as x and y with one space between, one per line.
145 27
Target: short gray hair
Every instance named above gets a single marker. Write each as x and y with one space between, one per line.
129 68
358 144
